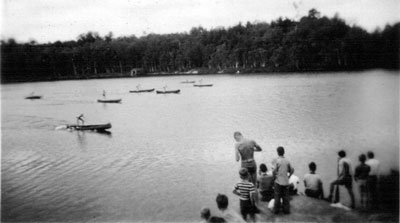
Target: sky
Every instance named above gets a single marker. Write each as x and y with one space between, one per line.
51 20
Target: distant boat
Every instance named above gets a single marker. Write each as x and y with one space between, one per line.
202 85
33 97
188 82
109 101
142 91
169 92
99 128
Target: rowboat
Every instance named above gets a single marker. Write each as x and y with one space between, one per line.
141 91
33 97
99 128
109 101
169 92
202 85
188 82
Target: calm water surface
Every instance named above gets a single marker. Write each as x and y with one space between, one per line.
169 155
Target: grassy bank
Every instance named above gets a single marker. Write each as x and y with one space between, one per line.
306 209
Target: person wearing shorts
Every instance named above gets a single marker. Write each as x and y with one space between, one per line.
246 192
244 151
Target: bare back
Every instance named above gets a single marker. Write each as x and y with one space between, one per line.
246 149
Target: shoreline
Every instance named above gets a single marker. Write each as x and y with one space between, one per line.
306 209
200 71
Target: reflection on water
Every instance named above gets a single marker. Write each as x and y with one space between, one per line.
169 155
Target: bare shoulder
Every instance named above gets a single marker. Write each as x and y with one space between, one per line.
237 144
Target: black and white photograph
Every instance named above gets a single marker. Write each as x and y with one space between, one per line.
200 110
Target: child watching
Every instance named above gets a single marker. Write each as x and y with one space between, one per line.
246 192
265 184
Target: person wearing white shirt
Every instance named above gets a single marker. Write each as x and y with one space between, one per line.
294 181
344 178
372 182
313 183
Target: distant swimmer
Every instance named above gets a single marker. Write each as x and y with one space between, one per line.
244 150
80 119
104 93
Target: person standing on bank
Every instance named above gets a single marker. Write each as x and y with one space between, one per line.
246 192
361 177
344 178
244 150
282 172
372 181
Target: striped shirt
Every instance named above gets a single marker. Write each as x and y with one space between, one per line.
244 189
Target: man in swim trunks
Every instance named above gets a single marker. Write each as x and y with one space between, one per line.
244 150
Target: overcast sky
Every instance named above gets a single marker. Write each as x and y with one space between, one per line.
52 20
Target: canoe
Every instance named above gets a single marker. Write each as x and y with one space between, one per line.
109 101
99 128
188 82
141 91
169 92
33 97
202 85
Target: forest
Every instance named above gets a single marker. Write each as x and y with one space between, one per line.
313 43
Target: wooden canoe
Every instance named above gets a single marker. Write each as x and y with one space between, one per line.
109 101
99 128
169 92
33 97
142 91
202 85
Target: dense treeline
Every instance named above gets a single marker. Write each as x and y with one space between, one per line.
314 43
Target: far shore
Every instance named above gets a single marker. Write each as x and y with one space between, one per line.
192 72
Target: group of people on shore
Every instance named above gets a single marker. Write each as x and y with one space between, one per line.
276 187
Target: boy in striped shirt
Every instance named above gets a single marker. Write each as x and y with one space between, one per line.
246 192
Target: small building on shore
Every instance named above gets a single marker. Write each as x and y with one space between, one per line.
137 72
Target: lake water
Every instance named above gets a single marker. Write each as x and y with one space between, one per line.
169 155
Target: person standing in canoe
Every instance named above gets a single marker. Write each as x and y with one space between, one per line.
80 119
244 150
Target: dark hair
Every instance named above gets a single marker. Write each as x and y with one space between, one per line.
312 166
205 213
362 158
263 167
370 154
222 201
342 153
237 133
243 173
216 219
280 150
